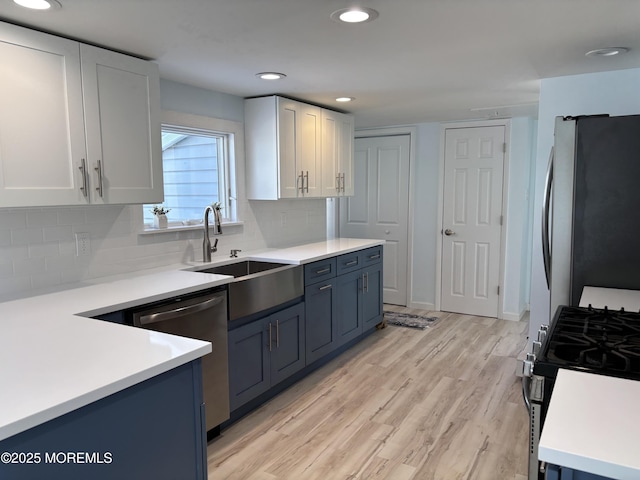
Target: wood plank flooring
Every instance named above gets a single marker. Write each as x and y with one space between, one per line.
438 404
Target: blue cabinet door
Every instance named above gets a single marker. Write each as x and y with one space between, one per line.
321 319
287 354
349 306
372 296
249 369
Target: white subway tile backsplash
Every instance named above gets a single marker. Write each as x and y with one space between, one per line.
26 236
37 246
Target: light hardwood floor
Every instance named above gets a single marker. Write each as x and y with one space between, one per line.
441 404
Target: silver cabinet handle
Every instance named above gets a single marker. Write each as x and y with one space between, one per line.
338 183
99 170
546 247
277 334
365 282
352 262
300 181
325 287
83 168
324 270
343 183
449 232
180 312
307 178
269 336
373 257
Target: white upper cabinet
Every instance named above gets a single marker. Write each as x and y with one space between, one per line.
64 107
42 142
122 115
337 153
296 150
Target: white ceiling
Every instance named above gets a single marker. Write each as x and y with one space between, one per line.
420 61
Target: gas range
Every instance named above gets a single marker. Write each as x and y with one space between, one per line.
593 340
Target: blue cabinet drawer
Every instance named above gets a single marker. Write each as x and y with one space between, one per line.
371 255
349 262
320 270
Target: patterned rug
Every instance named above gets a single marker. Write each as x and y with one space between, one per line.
409 320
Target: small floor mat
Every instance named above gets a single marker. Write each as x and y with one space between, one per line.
408 320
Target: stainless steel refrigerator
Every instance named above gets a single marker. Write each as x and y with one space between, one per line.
591 217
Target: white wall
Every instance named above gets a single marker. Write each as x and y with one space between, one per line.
37 245
518 218
615 93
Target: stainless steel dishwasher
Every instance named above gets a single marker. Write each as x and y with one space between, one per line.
202 316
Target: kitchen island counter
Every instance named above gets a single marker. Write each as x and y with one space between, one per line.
591 425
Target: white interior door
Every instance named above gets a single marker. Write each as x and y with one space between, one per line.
380 206
472 217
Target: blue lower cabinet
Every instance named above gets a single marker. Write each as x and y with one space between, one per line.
372 296
349 306
154 429
555 472
321 319
265 352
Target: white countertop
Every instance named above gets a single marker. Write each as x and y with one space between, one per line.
54 360
613 298
592 425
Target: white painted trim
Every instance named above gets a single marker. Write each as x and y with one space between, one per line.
515 317
412 131
506 123
422 306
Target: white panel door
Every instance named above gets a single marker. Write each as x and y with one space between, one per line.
42 142
473 173
380 206
122 101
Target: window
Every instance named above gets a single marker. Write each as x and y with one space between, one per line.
197 166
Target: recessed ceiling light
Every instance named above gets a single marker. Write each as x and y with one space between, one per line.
38 4
607 52
270 75
345 99
354 15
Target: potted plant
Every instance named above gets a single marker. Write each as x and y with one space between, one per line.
160 216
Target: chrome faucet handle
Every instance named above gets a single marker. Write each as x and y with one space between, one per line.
234 253
215 246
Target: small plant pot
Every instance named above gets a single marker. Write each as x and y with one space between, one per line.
160 221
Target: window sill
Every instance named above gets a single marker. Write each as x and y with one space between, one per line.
149 230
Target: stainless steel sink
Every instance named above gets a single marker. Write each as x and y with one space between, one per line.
258 286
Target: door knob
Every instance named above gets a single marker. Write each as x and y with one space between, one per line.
448 232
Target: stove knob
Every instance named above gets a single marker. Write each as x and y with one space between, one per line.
537 346
527 365
542 333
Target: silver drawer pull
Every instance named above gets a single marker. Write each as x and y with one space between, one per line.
352 262
325 287
324 270
373 257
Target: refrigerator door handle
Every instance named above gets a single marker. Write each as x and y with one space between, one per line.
546 205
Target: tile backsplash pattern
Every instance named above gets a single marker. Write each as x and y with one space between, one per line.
38 246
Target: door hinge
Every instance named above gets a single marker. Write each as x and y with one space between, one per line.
501 219
498 289
504 147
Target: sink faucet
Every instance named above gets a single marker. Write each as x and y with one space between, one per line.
217 230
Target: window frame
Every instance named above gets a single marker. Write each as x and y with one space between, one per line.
201 125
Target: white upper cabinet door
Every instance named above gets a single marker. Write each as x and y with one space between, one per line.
290 174
337 154
122 103
309 149
299 143
42 142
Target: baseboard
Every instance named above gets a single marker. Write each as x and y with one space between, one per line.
514 317
421 305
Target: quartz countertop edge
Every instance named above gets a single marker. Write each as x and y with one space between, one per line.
71 361
606 448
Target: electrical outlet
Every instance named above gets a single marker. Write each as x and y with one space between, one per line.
83 244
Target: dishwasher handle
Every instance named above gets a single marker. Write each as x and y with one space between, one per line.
181 311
